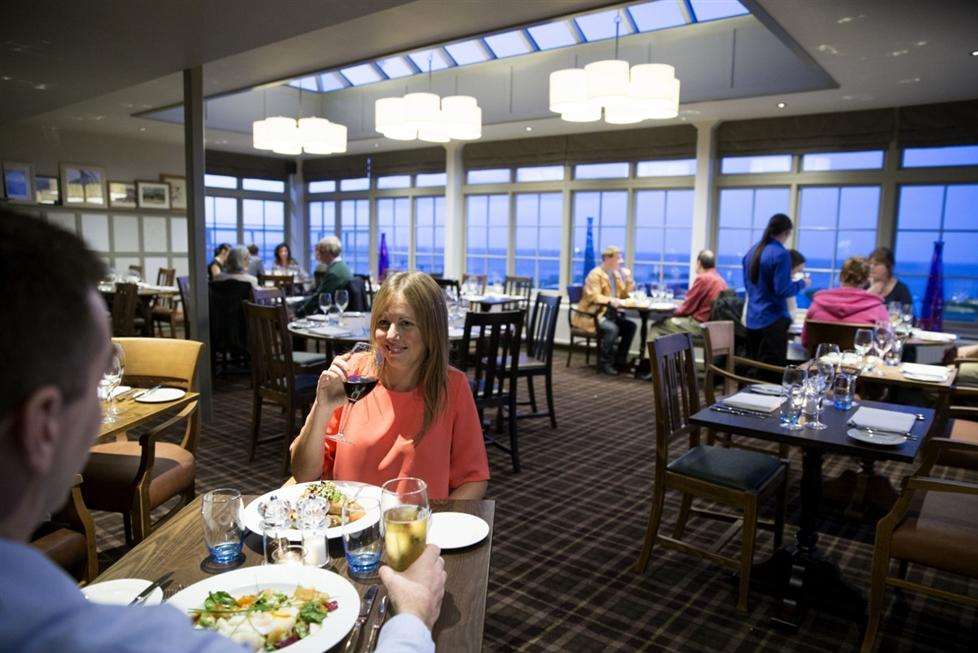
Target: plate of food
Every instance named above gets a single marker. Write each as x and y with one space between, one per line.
273 607
288 499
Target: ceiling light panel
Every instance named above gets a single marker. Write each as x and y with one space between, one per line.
553 35
332 82
395 67
661 14
705 10
467 52
365 73
601 25
508 44
438 59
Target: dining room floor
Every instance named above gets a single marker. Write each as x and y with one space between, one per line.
568 528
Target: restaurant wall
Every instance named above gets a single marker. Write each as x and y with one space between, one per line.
123 237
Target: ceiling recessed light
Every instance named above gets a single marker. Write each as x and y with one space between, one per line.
974 53
528 128
781 105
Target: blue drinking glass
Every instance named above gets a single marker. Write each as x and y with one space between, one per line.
364 547
221 511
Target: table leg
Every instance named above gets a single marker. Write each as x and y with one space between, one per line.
640 365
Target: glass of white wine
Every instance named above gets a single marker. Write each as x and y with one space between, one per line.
405 510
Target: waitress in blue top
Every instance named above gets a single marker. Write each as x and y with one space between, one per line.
767 275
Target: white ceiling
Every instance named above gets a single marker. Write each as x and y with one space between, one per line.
879 52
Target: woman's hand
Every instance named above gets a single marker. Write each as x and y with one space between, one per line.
329 390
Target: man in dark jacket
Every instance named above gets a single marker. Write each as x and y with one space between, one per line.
336 277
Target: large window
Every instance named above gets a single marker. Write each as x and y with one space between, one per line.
663 237
609 210
833 224
487 235
322 223
220 221
264 225
394 224
742 216
429 235
355 234
539 234
940 212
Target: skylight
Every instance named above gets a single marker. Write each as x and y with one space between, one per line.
602 25
331 81
438 60
468 52
508 44
365 73
661 14
553 35
395 67
705 10
308 84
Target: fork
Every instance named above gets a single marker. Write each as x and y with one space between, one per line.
872 432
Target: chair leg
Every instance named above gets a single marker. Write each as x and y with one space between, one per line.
549 385
532 392
683 517
513 445
747 552
127 528
587 352
881 566
570 351
256 404
780 503
652 530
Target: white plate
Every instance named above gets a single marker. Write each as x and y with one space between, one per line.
453 530
121 592
160 396
316 317
923 377
252 518
766 389
883 439
284 578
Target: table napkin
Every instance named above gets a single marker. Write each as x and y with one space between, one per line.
473 298
933 336
883 420
935 372
332 331
751 401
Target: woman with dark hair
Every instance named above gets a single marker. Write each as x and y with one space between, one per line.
216 266
882 281
283 264
767 276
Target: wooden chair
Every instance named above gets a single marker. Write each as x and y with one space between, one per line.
137 270
538 360
738 478
166 308
135 477
357 292
491 352
124 304
309 362
481 280
932 524
838 333
274 374
962 426
229 334
268 296
522 286
183 285
574 294
446 284
368 287
286 282
68 537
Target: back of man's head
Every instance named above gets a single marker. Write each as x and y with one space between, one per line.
707 259
253 249
48 329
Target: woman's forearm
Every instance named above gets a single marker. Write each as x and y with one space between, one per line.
309 448
472 490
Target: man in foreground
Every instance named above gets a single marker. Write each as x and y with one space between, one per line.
604 288
49 416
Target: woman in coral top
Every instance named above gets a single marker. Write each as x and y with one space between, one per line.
420 420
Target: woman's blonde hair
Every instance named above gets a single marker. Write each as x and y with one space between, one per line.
425 298
854 272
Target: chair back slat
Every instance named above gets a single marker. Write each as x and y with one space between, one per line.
446 284
482 280
719 341
492 347
284 281
522 286
270 346
675 391
165 276
268 296
839 333
124 303
368 290
357 292
543 327
574 294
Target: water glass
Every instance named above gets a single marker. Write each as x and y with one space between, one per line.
883 338
221 511
325 303
342 300
814 396
843 390
364 547
862 342
791 408
895 355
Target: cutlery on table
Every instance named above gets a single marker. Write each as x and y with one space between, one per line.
146 392
871 431
142 596
381 617
368 603
730 410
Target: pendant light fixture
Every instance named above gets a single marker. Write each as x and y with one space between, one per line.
624 94
286 135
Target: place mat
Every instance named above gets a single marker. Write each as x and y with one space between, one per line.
751 401
933 336
935 373
882 420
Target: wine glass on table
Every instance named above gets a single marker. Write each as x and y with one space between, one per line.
405 510
342 301
883 339
793 390
325 304
366 361
815 387
111 379
906 313
862 342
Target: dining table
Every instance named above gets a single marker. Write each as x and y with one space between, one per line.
132 413
489 301
648 310
147 294
178 547
800 574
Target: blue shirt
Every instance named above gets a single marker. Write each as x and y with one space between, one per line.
767 299
42 610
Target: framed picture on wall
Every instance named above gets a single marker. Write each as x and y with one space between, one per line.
178 190
122 194
83 185
46 190
18 182
153 194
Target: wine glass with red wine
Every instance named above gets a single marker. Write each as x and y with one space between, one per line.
366 360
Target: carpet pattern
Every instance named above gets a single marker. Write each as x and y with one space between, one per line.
569 527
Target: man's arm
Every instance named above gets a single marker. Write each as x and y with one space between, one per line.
416 593
694 297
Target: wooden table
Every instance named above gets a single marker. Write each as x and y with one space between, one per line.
132 413
178 546
487 302
800 574
645 312
892 376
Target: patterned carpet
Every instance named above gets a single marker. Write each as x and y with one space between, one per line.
569 527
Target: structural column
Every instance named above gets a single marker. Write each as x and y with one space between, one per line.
454 211
704 190
193 145
298 224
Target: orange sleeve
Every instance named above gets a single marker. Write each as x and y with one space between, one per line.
469 461
329 451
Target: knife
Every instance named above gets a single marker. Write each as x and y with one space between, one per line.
368 603
146 392
142 596
381 616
